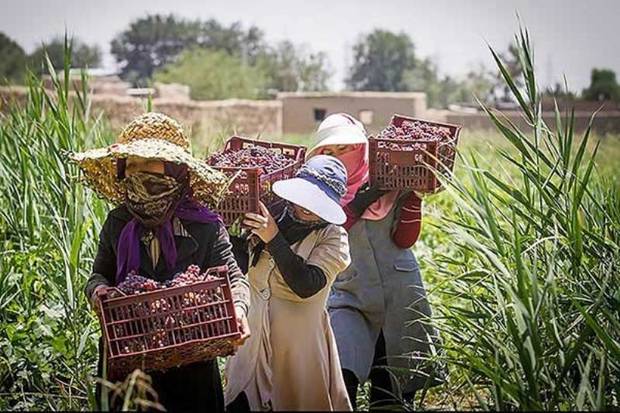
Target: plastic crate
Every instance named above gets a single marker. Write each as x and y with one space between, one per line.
405 164
253 184
170 327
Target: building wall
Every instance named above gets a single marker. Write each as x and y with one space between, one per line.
604 122
201 119
294 113
298 109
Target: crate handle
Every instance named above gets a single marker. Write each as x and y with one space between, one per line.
403 158
209 271
105 294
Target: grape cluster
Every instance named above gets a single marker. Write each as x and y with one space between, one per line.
135 283
191 275
250 157
157 323
412 130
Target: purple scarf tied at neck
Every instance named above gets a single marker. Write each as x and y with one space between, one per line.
128 247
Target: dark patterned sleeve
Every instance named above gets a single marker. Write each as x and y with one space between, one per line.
104 266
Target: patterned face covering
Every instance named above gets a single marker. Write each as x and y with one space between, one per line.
152 198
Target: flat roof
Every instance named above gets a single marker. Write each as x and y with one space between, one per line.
347 94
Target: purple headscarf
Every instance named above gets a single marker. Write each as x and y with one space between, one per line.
128 247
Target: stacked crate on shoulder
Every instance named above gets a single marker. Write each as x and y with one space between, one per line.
168 327
409 152
254 166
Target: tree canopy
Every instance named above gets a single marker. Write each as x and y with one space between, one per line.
380 61
386 61
154 41
82 55
12 59
213 74
292 68
603 86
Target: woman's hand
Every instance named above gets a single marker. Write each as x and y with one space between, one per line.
96 297
244 327
364 197
263 225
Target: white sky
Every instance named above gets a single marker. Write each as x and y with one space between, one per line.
570 36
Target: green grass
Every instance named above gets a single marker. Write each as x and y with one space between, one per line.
48 232
526 294
462 278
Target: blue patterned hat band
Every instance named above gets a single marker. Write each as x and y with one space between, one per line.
328 173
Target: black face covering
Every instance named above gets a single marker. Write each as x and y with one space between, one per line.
290 224
292 228
152 198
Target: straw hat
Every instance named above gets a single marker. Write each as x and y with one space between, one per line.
152 136
338 129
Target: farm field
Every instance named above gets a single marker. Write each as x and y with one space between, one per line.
520 256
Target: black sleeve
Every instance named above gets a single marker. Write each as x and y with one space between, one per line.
240 251
305 280
364 197
221 254
104 266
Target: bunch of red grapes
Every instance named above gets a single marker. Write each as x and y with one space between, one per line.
165 321
135 283
250 157
191 275
413 130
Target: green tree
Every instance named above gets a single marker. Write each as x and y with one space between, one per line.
478 84
82 55
603 86
12 60
380 61
423 77
292 68
213 74
442 91
154 41
559 91
386 61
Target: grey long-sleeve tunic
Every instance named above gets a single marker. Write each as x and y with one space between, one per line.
381 290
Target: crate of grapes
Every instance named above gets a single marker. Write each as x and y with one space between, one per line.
409 152
154 326
254 166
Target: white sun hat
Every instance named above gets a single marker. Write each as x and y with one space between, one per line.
318 187
338 129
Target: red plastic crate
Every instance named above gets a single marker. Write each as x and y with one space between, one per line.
191 323
405 164
253 184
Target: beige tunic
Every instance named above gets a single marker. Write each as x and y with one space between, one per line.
290 361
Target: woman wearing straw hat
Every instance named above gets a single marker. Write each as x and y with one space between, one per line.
291 362
160 227
378 305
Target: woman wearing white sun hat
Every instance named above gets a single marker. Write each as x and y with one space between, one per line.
378 305
290 362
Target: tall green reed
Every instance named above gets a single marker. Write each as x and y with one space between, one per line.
48 230
528 298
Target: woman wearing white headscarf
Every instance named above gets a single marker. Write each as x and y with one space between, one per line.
378 305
